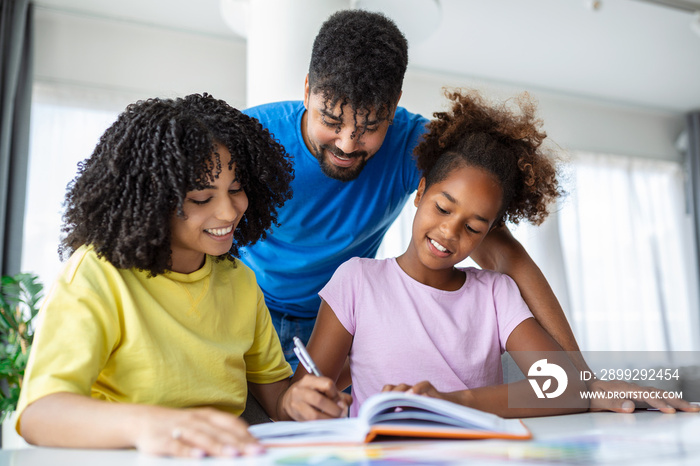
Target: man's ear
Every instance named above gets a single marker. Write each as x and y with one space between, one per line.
306 91
419 192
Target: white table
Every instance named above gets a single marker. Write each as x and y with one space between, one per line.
645 437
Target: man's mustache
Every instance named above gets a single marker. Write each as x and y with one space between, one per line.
360 154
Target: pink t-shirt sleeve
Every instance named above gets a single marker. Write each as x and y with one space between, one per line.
511 309
341 292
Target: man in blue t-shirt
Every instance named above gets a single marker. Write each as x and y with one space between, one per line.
352 149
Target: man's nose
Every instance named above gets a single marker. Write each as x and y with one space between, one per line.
347 141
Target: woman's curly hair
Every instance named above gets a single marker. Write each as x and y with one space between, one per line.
500 141
125 194
359 58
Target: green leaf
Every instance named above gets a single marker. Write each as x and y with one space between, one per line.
19 304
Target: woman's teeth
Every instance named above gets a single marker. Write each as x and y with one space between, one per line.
220 231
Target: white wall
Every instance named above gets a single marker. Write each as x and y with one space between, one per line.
574 123
138 61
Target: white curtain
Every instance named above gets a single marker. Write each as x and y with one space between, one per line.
629 260
66 124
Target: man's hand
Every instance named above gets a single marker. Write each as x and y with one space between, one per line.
642 397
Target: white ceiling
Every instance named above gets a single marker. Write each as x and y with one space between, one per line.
626 51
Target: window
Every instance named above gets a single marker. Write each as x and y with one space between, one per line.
628 257
66 125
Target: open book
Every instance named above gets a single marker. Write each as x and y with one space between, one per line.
394 414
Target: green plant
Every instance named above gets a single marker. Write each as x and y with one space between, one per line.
19 298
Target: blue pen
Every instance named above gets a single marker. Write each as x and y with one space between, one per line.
305 358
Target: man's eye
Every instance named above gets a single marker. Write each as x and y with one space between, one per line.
330 124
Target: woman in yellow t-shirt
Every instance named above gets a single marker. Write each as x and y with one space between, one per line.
153 313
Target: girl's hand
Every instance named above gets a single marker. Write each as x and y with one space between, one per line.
195 432
315 398
639 397
425 388
421 388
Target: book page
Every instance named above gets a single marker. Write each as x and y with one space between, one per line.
382 409
325 431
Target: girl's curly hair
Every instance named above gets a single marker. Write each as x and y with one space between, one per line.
125 194
359 58
500 141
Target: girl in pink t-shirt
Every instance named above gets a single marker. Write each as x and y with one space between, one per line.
418 323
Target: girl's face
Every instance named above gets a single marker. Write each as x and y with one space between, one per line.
211 216
453 217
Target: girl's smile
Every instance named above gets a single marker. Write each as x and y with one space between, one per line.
437 248
453 217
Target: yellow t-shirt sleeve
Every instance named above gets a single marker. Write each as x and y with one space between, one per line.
265 361
76 334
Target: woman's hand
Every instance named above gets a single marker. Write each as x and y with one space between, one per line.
70 420
315 398
195 432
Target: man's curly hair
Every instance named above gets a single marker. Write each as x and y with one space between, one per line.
359 58
500 141
125 194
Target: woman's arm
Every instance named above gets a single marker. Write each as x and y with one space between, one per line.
76 421
311 397
528 343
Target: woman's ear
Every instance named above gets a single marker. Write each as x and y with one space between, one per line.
419 192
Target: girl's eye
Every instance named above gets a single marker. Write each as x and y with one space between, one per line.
235 190
198 202
440 209
470 229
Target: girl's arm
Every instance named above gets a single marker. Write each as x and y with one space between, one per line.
527 343
77 421
501 252
311 397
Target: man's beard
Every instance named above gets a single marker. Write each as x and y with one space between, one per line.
340 173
